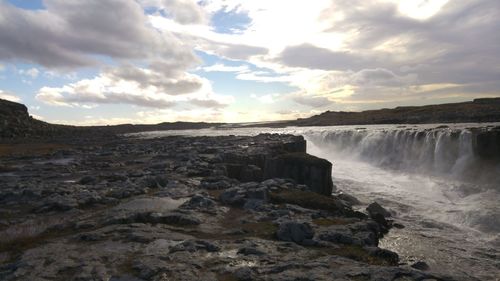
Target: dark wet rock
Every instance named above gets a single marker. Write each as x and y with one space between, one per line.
382 222
385 254
375 209
420 265
88 180
199 202
312 200
341 236
351 200
246 251
398 225
295 232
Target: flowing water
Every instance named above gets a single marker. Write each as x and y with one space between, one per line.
429 176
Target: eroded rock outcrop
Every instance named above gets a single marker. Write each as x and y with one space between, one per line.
304 169
280 160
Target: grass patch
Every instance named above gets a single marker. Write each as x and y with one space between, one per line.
30 149
265 230
18 238
226 277
215 193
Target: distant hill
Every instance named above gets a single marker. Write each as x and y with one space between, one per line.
478 110
15 123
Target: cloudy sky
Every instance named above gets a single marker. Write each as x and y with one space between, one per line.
147 61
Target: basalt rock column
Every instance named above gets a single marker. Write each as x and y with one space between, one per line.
306 169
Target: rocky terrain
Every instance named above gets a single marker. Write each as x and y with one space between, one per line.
177 208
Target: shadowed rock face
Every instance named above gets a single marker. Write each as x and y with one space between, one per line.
281 160
487 144
14 119
304 169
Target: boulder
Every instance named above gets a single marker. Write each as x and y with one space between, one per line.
306 169
374 209
295 232
420 265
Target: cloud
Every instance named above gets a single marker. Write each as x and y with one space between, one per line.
310 56
72 33
143 87
388 50
229 46
312 101
168 83
262 76
268 99
218 67
382 77
183 11
32 72
9 96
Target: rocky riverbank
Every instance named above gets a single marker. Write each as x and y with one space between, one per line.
176 208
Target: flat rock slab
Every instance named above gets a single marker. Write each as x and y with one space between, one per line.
154 204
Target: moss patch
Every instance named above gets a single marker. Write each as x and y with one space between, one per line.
226 277
265 230
30 149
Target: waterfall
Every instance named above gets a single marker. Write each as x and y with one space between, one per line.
435 151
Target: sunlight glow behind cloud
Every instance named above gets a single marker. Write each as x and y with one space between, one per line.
239 60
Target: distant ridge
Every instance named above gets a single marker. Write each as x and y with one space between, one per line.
478 110
16 123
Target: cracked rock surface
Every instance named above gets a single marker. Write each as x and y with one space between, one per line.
178 208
